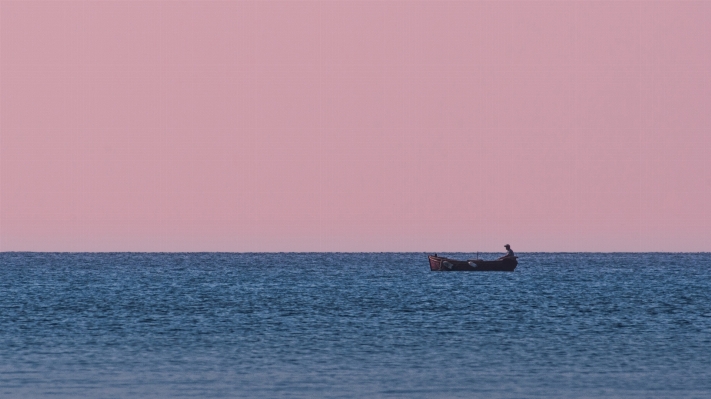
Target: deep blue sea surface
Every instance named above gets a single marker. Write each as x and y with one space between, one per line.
335 325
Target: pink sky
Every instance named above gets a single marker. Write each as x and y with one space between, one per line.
355 126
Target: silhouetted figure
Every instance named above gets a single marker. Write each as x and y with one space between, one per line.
509 253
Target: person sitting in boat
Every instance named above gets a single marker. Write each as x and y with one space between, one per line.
509 253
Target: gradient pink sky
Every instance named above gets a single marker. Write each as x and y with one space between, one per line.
355 126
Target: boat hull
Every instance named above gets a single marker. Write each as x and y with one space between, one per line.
442 264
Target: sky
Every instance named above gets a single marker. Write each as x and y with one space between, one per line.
425 126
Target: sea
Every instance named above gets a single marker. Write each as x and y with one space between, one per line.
353 325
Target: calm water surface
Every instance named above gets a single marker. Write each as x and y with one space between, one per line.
353 326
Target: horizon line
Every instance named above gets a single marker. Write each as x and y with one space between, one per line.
350 252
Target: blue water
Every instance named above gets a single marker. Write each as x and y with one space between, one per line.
353 326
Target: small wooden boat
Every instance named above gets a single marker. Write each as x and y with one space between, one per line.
442 264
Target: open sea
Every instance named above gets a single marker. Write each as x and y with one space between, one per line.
353 325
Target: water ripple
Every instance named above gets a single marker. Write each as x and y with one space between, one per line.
353 325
